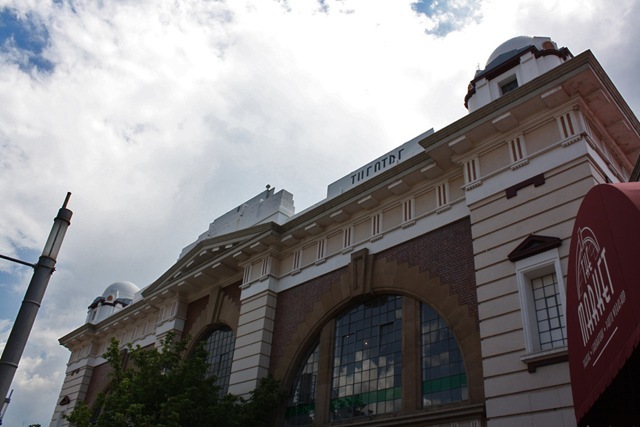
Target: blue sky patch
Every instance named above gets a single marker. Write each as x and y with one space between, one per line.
425 6
23 40
447 16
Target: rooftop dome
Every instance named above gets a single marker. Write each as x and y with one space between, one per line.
509 48
510 45
514 63
120 290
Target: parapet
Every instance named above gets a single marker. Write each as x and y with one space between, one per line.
268 206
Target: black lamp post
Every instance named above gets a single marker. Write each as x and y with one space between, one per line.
43 270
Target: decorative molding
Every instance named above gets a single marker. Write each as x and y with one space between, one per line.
361 272
533 245
519 164
572 140
536 181
443 209
347 250
545 358
409 223
474 184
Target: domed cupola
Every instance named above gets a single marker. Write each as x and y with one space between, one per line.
511 65
117 296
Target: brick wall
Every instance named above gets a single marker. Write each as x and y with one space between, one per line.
446 253
292 307
436 268
194 310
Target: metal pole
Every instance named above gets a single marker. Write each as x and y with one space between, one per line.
33 298
3 409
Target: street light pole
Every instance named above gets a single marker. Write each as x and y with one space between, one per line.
43 270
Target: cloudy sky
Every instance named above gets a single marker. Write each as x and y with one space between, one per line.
160 116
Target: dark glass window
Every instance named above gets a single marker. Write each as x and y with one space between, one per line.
219 347
444 378
367 361
301 406
508 86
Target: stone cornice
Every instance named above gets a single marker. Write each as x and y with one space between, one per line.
531 93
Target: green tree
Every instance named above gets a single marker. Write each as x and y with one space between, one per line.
163 388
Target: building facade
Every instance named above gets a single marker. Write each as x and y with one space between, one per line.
428 288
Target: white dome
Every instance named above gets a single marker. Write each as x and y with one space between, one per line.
510 45
509 48
124 290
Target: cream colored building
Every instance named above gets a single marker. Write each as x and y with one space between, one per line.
426 289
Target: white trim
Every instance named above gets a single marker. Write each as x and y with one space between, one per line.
526 269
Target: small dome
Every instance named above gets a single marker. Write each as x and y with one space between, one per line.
510 45
120 290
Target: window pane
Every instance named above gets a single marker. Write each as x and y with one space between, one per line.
444 379
301 404
368 360
219 346
549 319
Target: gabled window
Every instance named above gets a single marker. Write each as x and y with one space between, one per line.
549 316
542 300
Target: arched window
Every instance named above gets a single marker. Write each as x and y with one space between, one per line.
219 345
444 378
301 404
367 361
369 375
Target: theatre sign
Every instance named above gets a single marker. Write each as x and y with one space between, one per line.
603 308
378 166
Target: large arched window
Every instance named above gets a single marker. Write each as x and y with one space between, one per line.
367 361
444 379
301 404
219 345
377 355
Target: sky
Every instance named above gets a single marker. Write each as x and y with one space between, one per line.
159 116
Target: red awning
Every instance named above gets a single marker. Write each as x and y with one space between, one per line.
603 290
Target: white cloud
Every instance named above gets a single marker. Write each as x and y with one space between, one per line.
160 116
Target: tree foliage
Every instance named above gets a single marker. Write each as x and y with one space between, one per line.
163 388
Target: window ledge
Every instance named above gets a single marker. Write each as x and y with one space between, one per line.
544 358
